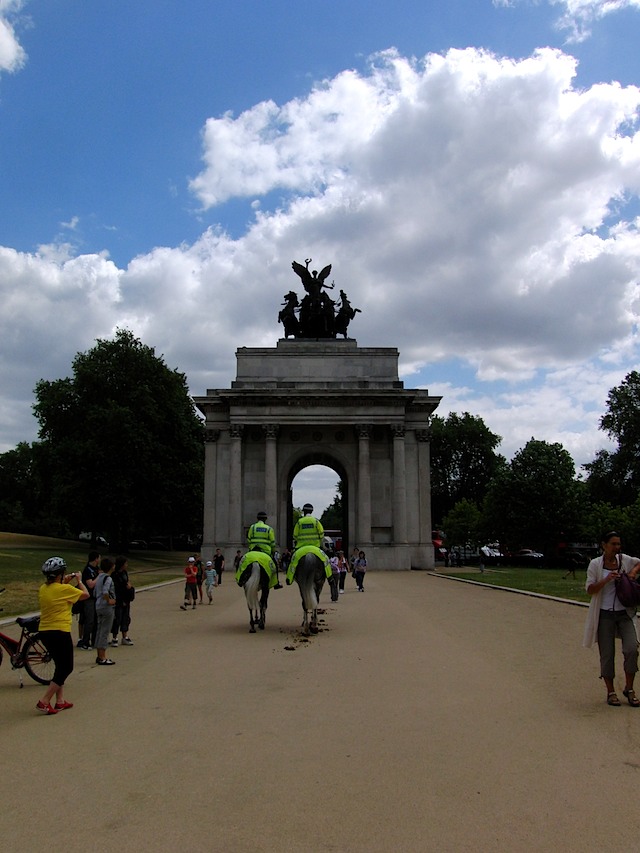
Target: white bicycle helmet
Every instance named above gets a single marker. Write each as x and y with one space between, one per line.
53 566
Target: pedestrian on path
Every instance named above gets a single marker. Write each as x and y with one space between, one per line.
607 617
190 584
56 597
360 570
343 568
218 564
210 580
105 609
124 597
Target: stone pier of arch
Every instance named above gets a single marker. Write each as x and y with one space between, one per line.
320 402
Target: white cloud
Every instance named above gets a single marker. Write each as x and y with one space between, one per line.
12 55
578 16
475 208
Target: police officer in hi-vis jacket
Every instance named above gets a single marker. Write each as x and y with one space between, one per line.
262 538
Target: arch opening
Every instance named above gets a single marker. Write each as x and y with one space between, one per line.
321 481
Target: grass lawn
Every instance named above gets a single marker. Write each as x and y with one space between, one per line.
22 556
545 581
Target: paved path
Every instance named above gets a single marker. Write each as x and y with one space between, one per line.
429 715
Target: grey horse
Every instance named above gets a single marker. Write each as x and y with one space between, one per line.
310 577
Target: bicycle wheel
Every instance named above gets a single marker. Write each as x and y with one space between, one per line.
37 660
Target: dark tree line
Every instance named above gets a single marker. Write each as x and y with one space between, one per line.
537 499
120 450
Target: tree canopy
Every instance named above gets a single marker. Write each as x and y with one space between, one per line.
333 518
463 461
535 497
615 476
125 442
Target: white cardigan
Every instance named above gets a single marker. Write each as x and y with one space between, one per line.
595 573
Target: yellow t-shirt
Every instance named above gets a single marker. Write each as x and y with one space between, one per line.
55 601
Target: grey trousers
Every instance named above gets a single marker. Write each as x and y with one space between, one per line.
610 623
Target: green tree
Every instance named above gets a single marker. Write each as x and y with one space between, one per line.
20 488
535 497
463 524
602 517
463 461
125 442
615 476
332 517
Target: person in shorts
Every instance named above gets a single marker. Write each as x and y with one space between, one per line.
105 596
190 584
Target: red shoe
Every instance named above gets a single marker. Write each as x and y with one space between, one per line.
46 709
62 706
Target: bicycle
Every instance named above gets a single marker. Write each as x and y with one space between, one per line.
29 651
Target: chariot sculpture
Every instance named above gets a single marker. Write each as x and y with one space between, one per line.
317 315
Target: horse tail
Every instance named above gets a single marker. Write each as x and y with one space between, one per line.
252 587
305 573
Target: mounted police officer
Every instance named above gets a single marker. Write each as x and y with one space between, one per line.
308 530
262 538
308 535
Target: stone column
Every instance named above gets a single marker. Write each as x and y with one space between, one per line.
399 486
364 485
424 487
211 437
235 486
271 474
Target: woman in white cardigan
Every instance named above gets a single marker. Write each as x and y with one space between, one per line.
608 618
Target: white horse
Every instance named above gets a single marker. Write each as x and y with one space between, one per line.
256 590
310 577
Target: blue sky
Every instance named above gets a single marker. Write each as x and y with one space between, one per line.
470 169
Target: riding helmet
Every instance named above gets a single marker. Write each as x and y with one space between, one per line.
53 566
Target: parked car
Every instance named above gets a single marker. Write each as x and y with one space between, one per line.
138 544
100 540
527 557
490 551
571 558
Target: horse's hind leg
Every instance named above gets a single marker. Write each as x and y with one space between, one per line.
313 627
305 622
252 623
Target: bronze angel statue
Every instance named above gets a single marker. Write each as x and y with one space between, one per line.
317 309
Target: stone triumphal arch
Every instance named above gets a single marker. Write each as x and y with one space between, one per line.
328 402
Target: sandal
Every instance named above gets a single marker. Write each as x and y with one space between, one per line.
632 699
612 699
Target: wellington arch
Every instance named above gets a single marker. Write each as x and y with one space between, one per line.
320 401
316 399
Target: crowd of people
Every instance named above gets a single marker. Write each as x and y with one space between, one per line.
198 574
101 596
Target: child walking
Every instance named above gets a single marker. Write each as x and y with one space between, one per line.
210 580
